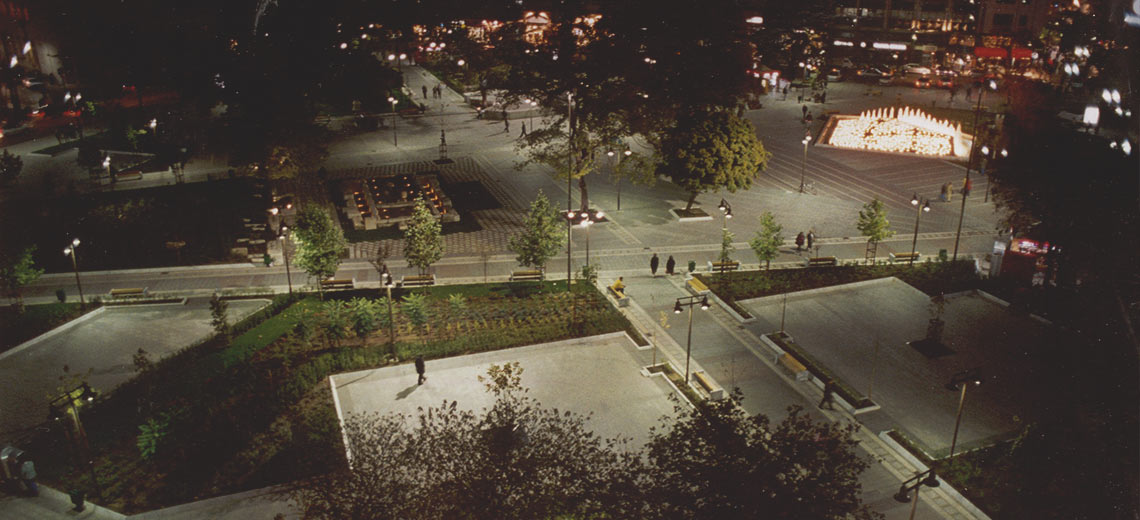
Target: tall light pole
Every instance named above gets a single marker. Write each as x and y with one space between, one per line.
803 164
726 213
585 220
920 206
986 156
690 301
283 235
386 279
569 183
961 382
991 85
393 101
927 478
70 251
82 449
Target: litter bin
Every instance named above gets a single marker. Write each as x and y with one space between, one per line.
10 466
77 499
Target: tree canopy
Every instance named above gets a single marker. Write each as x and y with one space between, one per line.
423 241
712 151
767 241
873 223
542 235
320 242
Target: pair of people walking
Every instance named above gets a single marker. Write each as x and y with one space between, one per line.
809 239
654 262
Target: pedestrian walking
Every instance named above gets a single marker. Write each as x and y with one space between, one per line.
420 370
653 262
803 109
828 391
439 90
810 239
28 475
800 241
823 98
969 92
523 133
669 265
423 88
506 125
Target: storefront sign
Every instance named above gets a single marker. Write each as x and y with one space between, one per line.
889 46
841 43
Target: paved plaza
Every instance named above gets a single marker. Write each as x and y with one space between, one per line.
839 327
599 376
101 345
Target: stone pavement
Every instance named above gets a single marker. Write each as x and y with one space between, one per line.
51 505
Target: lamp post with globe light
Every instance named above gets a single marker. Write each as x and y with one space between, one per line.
961 382
990 85
920 206
65 405
803 163
927 478
690 301
70 251
393 101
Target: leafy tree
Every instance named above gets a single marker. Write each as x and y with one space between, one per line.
151 435
10 166
365 315
726 248
542 235
415 308
219 315
514 459
423 242
766 244
715 461
337 320
320 242
873 223
16 272
711 151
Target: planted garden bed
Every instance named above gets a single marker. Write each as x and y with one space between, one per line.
16 327
227 416
819 370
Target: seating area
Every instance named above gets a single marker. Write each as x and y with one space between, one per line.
616 291
714 390
415 280
821 261
793 366
386 201
905 257
533 275
333 284
130 292
696 286
716 267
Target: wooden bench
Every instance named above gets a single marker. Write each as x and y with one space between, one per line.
696 286
716 393
905 257
821 261
715 267
620 296
417 280
130 292
338 283
794 366
531 275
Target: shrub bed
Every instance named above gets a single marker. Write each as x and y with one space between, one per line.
17 327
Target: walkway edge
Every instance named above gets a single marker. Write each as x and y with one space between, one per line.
51 332
944 486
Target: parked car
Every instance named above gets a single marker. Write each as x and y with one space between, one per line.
922 82
872 72
834 74
915 68
945 79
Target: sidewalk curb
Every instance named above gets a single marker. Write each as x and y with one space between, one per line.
944 486
51 333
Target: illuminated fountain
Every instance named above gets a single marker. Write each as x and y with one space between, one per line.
905 130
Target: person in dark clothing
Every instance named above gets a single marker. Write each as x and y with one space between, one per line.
506 123
653 262
800 241
810 239
828 390
420 370
670 264
423 88
804 110
523 133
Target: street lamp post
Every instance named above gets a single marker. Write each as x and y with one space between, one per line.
83 450
585 219
386 279
991 85
927 478
690 301
569 179
803 164
961 382
282 235
70 251
726 213
920 206
987 154
393 101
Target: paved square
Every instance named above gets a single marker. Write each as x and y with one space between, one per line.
599 375
839 327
